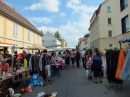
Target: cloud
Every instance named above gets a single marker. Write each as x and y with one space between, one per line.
45 20
74 28
78 7
48 5
62 14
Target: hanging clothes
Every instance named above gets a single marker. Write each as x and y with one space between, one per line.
120 64
42 63
33 64
125 73
112 62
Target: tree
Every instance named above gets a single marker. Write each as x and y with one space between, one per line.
58 36
42 32
87 35
77 46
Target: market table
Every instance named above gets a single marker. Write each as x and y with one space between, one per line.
6 82
10 77
56 68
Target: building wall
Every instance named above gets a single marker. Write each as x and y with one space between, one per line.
6 34
49 39
88 42
119 16
122 36
63 44
99 27
103 19
83 44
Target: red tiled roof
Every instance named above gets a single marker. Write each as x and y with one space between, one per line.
82 39
13 15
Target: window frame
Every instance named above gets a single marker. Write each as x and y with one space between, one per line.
110 35
110 44
123 4
38 38
15 29
29 35
108 9
109 21
125 24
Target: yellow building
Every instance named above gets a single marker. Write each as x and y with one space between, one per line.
63 44
17 30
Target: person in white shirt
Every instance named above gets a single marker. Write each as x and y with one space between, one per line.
82 55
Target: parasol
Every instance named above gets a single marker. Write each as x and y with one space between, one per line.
36 47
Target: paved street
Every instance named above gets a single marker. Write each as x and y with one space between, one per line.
74 83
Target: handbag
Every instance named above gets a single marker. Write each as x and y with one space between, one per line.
89 63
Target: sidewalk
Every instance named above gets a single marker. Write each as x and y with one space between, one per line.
74 83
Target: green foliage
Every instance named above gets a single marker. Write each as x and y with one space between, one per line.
77 46
87 35
58 36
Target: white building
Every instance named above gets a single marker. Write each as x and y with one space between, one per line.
84 43
49 39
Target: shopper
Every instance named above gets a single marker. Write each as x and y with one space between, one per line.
78 56
82 55
4 66
8 58
72 56
96 66
89 63
67 59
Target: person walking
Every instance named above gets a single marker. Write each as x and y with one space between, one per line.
72 56
96 66
89 63
78 55
67 59
83 58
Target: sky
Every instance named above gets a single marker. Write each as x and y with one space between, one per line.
70 17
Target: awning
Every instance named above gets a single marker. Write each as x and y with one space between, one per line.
124 40
53 45
36 47
4 44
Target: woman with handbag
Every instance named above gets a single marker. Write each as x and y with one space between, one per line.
89 63
96 66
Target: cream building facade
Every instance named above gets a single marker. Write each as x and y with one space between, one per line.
102 26
17 30
122 20
84 43
63 44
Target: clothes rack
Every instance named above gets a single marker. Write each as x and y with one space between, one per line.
112 62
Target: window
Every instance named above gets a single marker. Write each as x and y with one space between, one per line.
123 4
15 30
108 8
15 47
125 24
110 33
29 35
109 20
110 45
38 39
54 40
28 50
